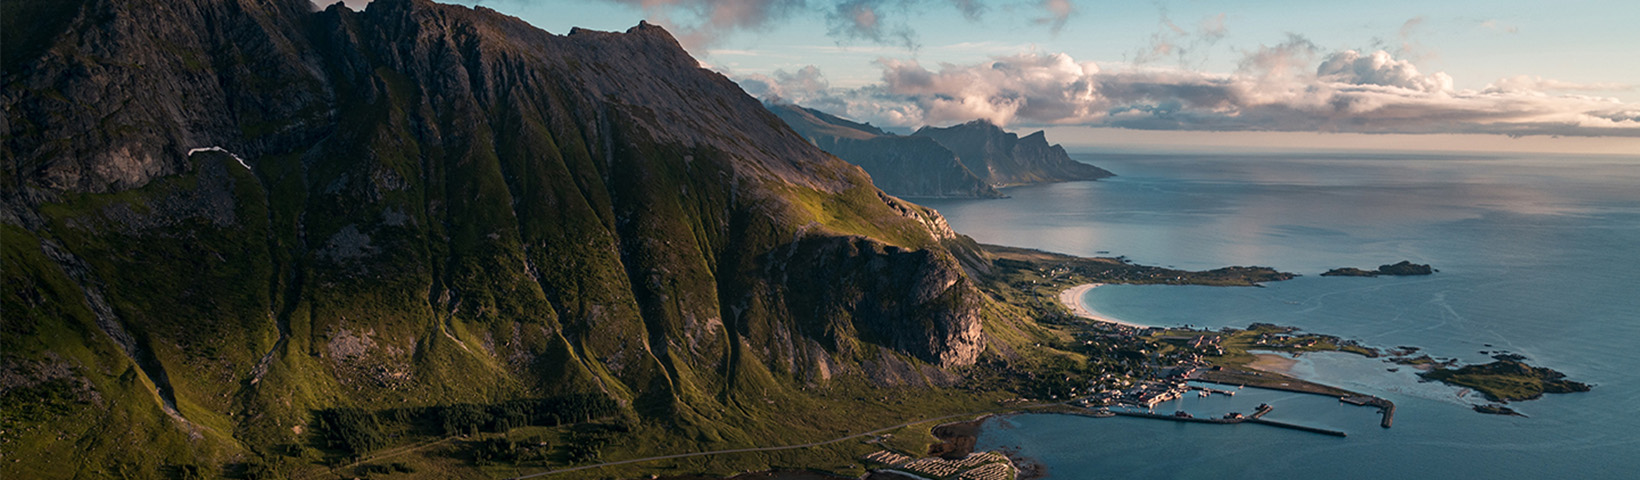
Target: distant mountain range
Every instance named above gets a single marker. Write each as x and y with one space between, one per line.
968 160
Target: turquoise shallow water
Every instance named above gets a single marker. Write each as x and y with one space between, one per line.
1538 256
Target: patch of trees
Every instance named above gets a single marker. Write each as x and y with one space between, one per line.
352 429
586 442
502 450
357 431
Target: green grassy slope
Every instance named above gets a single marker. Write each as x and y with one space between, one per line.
481 220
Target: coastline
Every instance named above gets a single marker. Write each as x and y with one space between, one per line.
1072 299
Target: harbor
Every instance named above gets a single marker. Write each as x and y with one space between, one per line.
1228 419
1141 401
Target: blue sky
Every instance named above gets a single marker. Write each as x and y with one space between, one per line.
1475 42
1471 70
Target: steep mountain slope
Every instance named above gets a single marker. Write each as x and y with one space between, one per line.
905 166
1002 158
222 216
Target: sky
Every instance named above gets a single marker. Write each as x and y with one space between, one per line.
1392 74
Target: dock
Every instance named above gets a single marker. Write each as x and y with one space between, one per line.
1293 426
1257 417
1384 406
1227 393
1176 419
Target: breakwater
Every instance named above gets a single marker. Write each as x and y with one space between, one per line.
1385 407
1256 417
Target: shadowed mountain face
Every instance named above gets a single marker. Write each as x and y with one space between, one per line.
1001 158
422 204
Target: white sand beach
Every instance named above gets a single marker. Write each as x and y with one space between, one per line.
1072 298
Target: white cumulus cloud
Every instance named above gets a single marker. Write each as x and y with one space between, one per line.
1378 68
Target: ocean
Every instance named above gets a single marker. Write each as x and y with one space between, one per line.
1539 255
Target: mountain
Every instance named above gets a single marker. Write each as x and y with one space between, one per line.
967 160
1002 158
905 166
229 226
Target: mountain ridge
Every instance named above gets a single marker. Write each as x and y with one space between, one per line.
969 160
1003 158
421 204
909 166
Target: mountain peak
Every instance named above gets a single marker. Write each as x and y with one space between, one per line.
901 165
985 123
1004 158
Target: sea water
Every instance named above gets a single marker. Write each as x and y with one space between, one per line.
1538 256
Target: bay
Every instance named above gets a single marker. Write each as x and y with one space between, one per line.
1538 255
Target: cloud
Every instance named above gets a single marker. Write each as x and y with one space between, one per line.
1530 83
1406 45
1187 46
705 23
806 84
864 20
1500 27
1280 62
355 5
1059 12
1379 68
973 10
701 23
1277 88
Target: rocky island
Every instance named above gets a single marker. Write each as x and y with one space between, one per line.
1404 268
1507 379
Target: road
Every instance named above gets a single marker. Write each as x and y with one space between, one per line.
785 447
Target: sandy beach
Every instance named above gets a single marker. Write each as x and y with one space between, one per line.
1273 363
1072 298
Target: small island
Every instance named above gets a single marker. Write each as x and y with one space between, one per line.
1404 268
1507 379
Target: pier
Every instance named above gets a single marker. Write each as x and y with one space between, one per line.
1301 428
1227 393
1256 417
1384 406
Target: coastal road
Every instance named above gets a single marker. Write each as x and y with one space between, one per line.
784 447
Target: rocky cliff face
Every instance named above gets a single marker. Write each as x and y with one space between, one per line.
420 204
1002 158
904 166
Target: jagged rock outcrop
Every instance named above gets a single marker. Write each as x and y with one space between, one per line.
424 204
1001 158
904 166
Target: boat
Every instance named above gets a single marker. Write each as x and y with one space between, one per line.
1103 413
